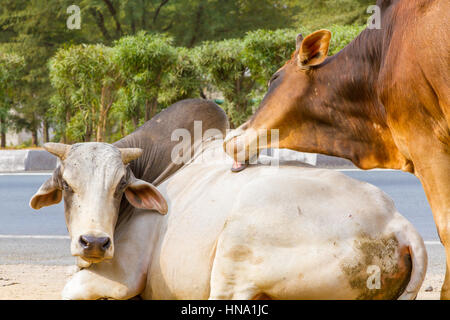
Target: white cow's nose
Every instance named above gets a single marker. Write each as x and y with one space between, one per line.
94 246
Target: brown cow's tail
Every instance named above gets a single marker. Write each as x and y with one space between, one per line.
419 259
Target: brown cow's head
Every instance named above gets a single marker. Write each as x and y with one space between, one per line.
322 105
286 101
92 178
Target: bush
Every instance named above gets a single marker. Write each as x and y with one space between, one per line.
144 62
223 65
265 51
145 73
342 36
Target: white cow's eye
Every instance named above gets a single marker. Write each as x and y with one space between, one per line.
66 186
123 183
120 187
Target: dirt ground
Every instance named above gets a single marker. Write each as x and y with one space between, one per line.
36 282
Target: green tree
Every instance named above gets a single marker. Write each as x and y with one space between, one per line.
184 79
178 78
87 75
144 61
315 14
223 65
189 22
342 36
265 51
11 66
34 29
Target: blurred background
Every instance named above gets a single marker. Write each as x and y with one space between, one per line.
94 70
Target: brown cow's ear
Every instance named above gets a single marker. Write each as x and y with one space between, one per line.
144 195
314 48
47 195
298 41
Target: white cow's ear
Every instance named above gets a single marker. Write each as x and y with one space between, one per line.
144 195
47 195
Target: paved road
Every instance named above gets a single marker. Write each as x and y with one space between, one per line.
408 195
18 219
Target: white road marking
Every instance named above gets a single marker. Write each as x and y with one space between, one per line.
22 236
26 173
57 237
50 173
386 170
433 243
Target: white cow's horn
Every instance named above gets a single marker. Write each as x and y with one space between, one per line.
58 149
129 154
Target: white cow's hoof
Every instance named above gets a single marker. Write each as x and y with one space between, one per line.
87 285
73 291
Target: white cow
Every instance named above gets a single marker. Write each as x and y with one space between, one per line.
287 232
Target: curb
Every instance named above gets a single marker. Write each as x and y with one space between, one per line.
26 160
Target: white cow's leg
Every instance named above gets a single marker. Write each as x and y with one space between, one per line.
228 280
89 285
123 276
220 290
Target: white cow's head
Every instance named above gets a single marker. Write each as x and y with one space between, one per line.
92 178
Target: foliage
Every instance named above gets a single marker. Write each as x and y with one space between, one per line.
314 14
184 79
265 51
144 61
342 36
11 66
224 66
87 76
130 59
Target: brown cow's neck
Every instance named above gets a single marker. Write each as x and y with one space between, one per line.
345 92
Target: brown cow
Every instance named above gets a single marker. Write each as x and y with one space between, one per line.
382 102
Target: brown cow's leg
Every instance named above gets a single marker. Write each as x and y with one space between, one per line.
433 169
445 292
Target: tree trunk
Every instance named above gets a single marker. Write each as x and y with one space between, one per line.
106 102
3 132
122 129
135 120
88 133
150 108
65 136
147 110
100 134
197 24
136 117
92 122
34 137
101 126
45 131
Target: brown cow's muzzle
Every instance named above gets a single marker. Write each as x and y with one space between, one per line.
94 248
242 146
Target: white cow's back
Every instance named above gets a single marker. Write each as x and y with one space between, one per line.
273 222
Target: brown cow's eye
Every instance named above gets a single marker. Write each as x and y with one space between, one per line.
274 77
